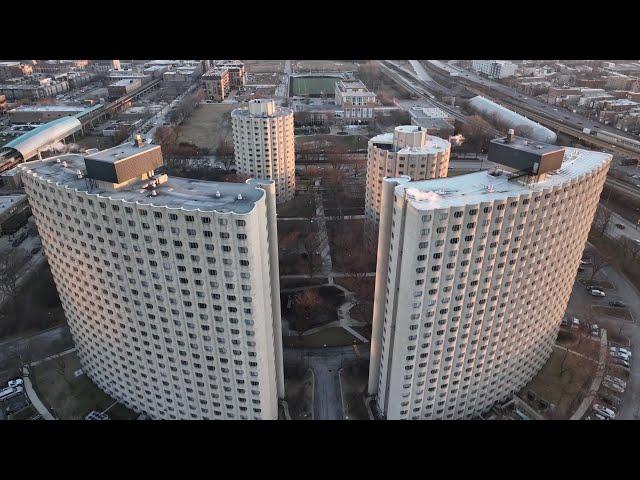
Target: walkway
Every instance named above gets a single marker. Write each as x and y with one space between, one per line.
33 397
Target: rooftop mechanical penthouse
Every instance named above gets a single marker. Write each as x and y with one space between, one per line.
170 285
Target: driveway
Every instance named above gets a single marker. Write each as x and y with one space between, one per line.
325 363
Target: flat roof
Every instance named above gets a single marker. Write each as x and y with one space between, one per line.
121 152
47 108
123 82
434 144
478 187
178 193
8 201
529 146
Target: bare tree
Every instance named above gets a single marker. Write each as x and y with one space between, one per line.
598 263
10 269
310 244
602 220
224 153
307 301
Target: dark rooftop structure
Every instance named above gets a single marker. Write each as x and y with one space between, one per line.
123 162
524 155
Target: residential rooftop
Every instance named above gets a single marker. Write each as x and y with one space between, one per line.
432 144
486 186
8 201
176 192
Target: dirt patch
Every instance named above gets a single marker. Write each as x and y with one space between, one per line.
262 66
321 308
612 312
207 125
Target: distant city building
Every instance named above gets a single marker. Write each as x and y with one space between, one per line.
356 100
41 113
264 145
474 274
123 87
14 69
433 120
495 68
216 84
170 286
14 211
406 151
237 75
115 64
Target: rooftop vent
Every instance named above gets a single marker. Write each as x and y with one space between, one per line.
79 174
490 189
154 193
64 164
218 194
138 141
239 196
58 160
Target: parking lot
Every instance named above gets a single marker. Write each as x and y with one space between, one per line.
620 389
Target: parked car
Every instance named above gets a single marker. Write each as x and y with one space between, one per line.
613 387
620 226
575 323
621 362
16 382
592 287
626 351
35 250
597 293
594 330
615 380
617 303
620 355
607 412
598 416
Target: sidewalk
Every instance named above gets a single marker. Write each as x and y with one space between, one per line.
33 397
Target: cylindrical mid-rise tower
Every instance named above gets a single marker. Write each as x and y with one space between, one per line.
406 151
264 146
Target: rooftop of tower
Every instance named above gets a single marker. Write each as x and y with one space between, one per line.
487 186
393 141
176 192
261 108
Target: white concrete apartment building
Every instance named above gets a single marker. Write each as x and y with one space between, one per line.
473 277
408 150
170 285
356 100
264 146
495 68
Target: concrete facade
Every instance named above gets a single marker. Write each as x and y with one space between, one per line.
406 151
264 146
170 287
474 274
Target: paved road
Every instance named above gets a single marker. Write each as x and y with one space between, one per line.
325 363
630 408
631 230
420 71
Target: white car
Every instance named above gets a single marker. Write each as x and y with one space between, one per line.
616 380
16 382
575 323
621 350
620 355
607 412
597 293
613 386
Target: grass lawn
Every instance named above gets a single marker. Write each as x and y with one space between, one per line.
563 385
332 337
324 141
344 205
298 206
286 283
69 397
325 312
298 395
324 65
581 343
353 381
207 125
